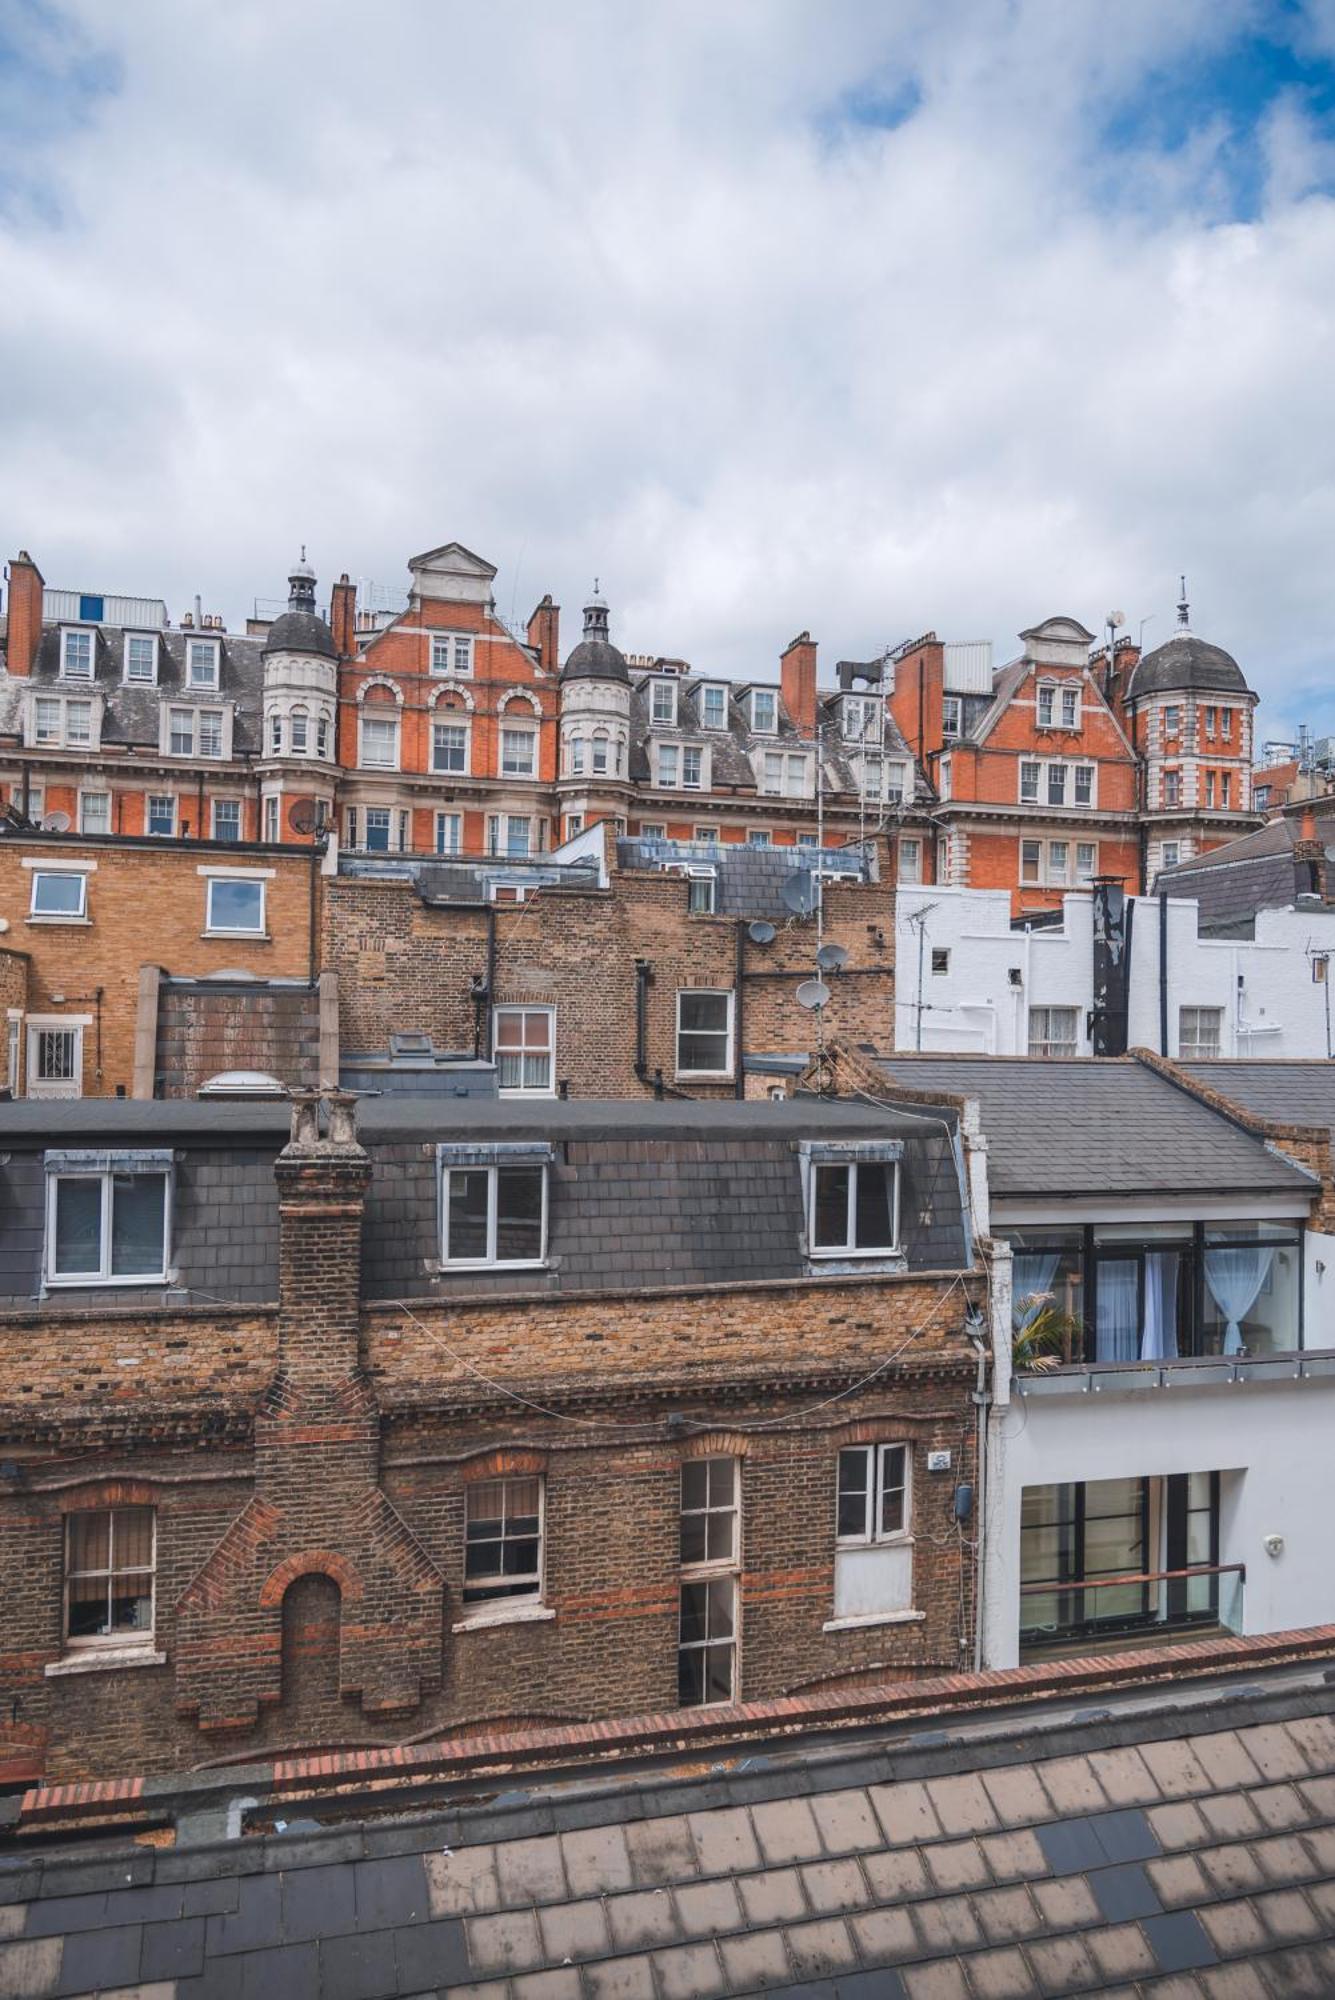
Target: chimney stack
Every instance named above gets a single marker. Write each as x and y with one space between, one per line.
343 616
25 613
544 634
797 669
322 1183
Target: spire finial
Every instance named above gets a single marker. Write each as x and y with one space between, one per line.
1183 608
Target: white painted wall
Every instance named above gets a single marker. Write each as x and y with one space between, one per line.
1271 1440
1272 1005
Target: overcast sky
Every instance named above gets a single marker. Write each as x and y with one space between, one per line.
859 315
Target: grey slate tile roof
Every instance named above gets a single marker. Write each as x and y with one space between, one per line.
132 714
1086 1128
1231 883
1289 1092
749 880
1153 1849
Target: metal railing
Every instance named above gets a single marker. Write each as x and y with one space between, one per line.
1140 1605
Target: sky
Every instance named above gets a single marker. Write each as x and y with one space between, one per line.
866 317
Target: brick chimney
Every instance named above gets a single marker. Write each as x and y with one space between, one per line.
25 613
322 1183
544 634
343 616
797 669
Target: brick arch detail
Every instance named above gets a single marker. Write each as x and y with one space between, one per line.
108 1493
504 1463
452 697
516 697
717 1444
309 1562
379 681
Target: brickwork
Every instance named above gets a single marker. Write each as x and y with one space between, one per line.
146 904
309 1467
206 1029
402 965
14 966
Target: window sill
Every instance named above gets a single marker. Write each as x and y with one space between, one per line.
241 937
446 1269
74 922
85 1280
871 1618
485 1616
882 1254
104 1659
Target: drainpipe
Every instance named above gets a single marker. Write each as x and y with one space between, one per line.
738 1078
489 997
981 1401
644 973
1163 972
313 955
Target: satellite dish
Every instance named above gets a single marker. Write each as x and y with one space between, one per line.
798 891
303 816
812 993
761 933
56 822
832 958
1116 618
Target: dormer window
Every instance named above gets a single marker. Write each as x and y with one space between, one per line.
141 658
857 717
764 711
77 649
663 704
714 707
952 715
451 653
201 663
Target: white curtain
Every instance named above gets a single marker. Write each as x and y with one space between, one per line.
1159 1340
1032 1275
1117 1320
1235 1277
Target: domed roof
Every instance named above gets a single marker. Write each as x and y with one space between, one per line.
596 658
300 632
1185 664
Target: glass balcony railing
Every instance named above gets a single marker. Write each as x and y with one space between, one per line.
1142 1608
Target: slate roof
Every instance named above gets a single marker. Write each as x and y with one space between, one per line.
1289 1092
1082 1128
132 713
300 632
1186 663
749 880
1231 883
1178 1845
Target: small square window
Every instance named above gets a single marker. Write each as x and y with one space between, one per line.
940 958
523 1044
451 653
106 1227
160 814
1200 1033
63 894
1053 1031
704 1033
494 1215
854 1208
236 906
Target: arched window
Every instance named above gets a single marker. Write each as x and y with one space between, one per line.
322 736
300 732
275 734
600 750
577 756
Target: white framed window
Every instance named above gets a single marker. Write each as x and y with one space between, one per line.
234 906
952 715
1057 776
182 736
666 764
1226 789
759 836
663 703
692 767
704 1031
449 747
510 835
79 723
577 756
110 1564
808 840
1084 784
1054 1031
1172 788
1070 706
1209 788
1200 1033
59 895
1172 720
574 824
854 1208
160 814
1047 704
910 858
449 833
95 812
873 1498
786 776
764 711
275 733
1030 774
1059 863
271 818
493 1216
943 777
1170 854
713 706
378 742
107 1227
1086 860
195 731
701 892
78 651
301 731
227 819
519 748
771 776
653 829
896 783
858 721
451 653
710 1551
708 834
141 658
1031 861
1226 724
1211 720
55 1059
599 747
379 823
201 663
524 1044
503 1540
322 736
47 713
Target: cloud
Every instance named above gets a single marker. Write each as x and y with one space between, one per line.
774 315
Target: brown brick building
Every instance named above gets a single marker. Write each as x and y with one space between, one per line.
517 1413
